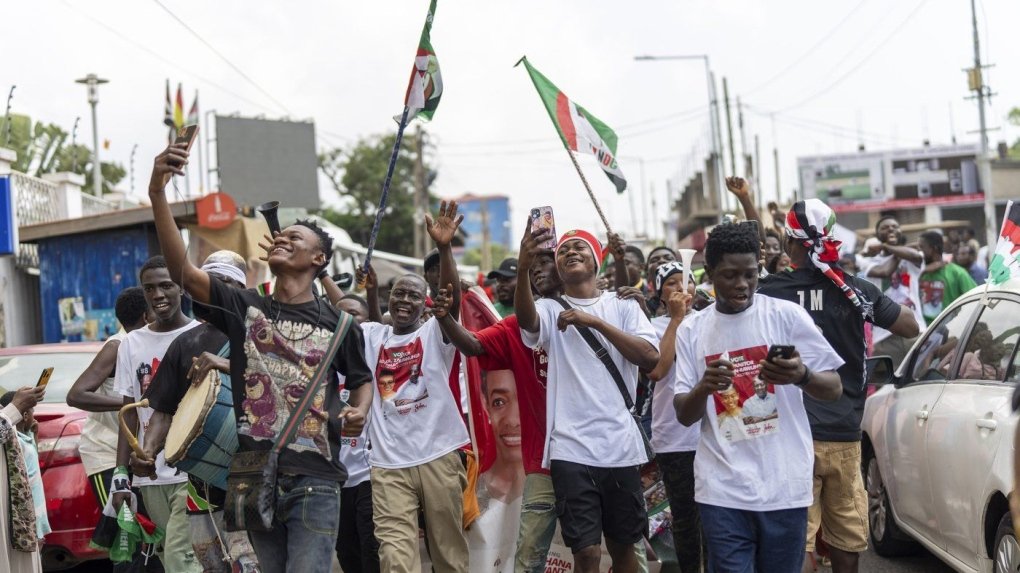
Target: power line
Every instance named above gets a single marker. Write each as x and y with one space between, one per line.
222 57
810 51
851 71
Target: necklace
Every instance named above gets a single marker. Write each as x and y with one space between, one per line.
573 301
279 308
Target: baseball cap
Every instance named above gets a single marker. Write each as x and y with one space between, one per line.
431 259
507 269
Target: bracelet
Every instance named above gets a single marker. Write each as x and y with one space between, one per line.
323 273
804 379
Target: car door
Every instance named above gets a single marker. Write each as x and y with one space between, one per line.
917 392
965 429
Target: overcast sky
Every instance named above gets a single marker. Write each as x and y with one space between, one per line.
890 70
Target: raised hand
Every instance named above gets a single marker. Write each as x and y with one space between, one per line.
679 303
368 281
739 187
616 246
441 304
531 245
167 164
444 226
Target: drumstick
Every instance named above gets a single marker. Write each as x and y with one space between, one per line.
132 440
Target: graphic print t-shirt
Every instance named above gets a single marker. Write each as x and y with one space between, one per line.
940 288
138 360
758 459
588 422
354 454
415 417
668 434
903 287
274 351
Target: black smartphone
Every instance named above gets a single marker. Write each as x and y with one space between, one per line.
187 134
780 351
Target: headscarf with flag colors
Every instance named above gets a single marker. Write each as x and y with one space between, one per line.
426 83
811 223
578 129
593 243
1006 258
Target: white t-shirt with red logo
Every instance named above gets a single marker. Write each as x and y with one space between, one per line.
668 434
415 417
138 359
755 452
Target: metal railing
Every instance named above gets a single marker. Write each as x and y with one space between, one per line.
92 205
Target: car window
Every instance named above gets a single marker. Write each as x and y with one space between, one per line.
23 370
990 343
938 349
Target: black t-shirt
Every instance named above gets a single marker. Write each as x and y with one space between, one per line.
171 381
274 350
842 325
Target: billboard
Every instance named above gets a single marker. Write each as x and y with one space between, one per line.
261 160
943 171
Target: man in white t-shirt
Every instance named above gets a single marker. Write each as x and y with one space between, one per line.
896 270
754 482
165 495
593 444
416 429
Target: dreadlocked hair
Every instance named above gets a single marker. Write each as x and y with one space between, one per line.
325 241
731 239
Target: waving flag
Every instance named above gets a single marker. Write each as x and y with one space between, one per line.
578 129
193 112
1006 258
426 83
179 108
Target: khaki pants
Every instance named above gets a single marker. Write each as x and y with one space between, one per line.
840 504
437 489
167 507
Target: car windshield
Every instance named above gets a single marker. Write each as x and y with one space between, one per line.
24 369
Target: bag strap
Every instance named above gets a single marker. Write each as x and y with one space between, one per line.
225 351
297 415
603 355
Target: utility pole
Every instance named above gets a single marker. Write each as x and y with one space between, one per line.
92 81
729 126
74 143
7 117
644 198
132 163
486 237
775 159
745 155
720 150
419 192
977 84
757 173
655 209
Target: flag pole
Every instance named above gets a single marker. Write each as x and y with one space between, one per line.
385 191
588 189
992 248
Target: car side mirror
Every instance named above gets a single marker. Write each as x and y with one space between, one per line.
879 370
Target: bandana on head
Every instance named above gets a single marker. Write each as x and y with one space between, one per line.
593 243
811 223
223 269
665 271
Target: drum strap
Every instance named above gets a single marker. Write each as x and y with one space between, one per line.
297 415
225 350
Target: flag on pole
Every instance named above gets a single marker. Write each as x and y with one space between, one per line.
1006 258
193 112
578 129
168 107
179 108
426 83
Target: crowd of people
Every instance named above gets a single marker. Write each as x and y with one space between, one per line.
745 384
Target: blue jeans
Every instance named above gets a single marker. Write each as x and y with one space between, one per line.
742 541
303 538
538 524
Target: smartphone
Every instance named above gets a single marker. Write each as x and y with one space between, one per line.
187 134
542 218
44 378
780 351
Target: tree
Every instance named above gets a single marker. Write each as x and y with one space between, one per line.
357 175
41 149
497 253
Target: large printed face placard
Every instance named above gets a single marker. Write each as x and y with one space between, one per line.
747 410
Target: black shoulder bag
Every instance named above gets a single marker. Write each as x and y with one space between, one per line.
607 361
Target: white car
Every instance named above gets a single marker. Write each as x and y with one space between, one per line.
938 437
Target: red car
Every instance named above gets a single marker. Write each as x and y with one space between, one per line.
70 503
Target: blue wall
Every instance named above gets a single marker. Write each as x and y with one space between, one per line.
95 266
499 214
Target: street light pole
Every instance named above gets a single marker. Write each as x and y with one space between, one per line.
712 121
977 83
92 81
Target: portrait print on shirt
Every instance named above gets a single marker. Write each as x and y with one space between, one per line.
399 376
747 409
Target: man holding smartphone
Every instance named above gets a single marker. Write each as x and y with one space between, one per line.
839 304
752 483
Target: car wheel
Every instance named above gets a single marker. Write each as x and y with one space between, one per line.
886 536
1007 550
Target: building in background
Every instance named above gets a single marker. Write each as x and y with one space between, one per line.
925 186
486 224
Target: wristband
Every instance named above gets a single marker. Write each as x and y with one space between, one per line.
323 273
804 379
121 481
